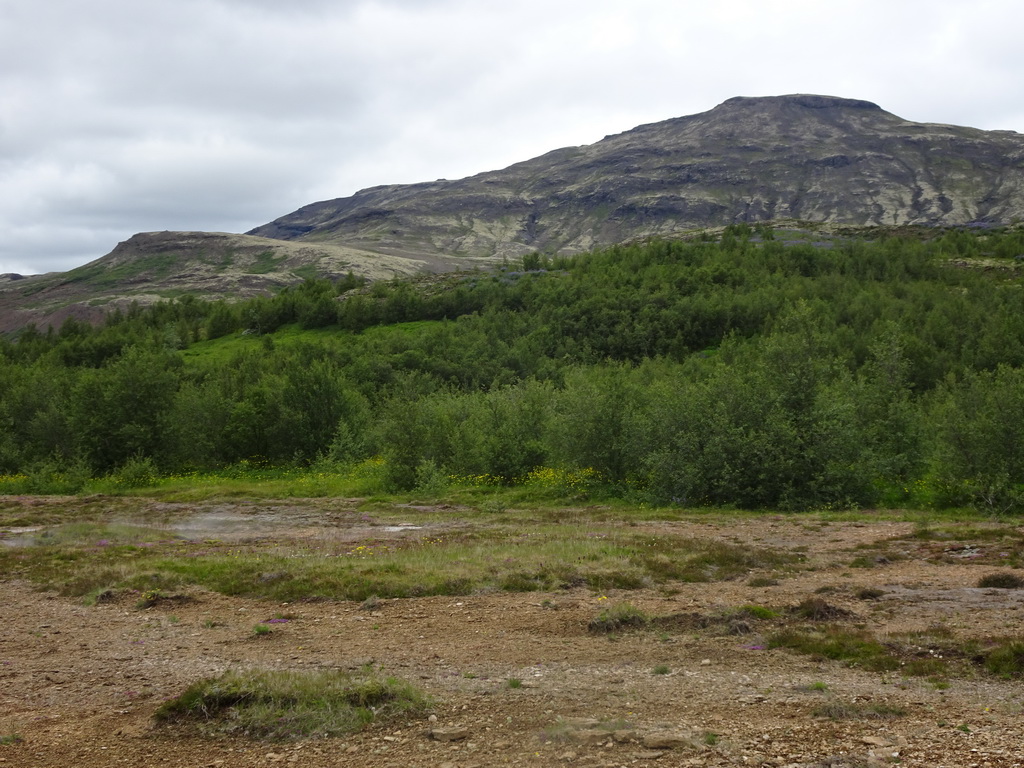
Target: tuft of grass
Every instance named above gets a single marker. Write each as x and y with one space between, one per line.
261 630
514 682
291 704
8 739
855 647
661 669
1006 660
757 612
816 609
763 581
372 603
617 617
1003 580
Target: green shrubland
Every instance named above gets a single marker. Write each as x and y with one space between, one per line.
737 372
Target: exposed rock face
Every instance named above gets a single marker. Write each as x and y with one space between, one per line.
815 158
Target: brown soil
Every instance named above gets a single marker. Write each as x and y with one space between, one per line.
79 684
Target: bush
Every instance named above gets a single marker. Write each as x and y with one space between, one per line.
1001 581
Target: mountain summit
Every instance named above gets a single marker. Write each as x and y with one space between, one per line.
807 157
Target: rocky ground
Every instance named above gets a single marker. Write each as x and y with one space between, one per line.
79 683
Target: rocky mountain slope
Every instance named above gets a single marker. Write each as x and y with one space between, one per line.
801 157
813 158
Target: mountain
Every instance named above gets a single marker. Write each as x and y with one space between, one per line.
812 158
817 159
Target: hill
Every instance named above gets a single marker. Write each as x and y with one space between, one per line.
813 159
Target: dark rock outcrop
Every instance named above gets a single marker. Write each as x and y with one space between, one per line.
807 157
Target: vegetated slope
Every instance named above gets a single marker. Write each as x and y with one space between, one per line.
151 266
813 158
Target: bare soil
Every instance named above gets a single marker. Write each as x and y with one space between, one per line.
80 683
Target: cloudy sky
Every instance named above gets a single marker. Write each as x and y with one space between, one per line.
122 116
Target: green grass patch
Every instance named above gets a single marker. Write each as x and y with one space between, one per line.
855 647
759 612
265 263
1006 660
933 654
153 267
291 704
510 555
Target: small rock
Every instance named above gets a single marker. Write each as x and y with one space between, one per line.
590 736
449 734
647 755
706 663
877 741
667 740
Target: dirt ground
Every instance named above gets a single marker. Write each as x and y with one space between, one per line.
79 683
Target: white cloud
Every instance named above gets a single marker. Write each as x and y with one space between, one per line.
118 116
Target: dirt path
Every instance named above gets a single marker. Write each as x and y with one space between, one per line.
79 684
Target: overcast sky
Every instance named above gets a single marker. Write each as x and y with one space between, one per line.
124 116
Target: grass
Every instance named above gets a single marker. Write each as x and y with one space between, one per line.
514 553
933 654
617 617
816 609
1006 660
855 647
759 612
289 704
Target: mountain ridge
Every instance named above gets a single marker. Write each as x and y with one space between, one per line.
749 159
826 160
